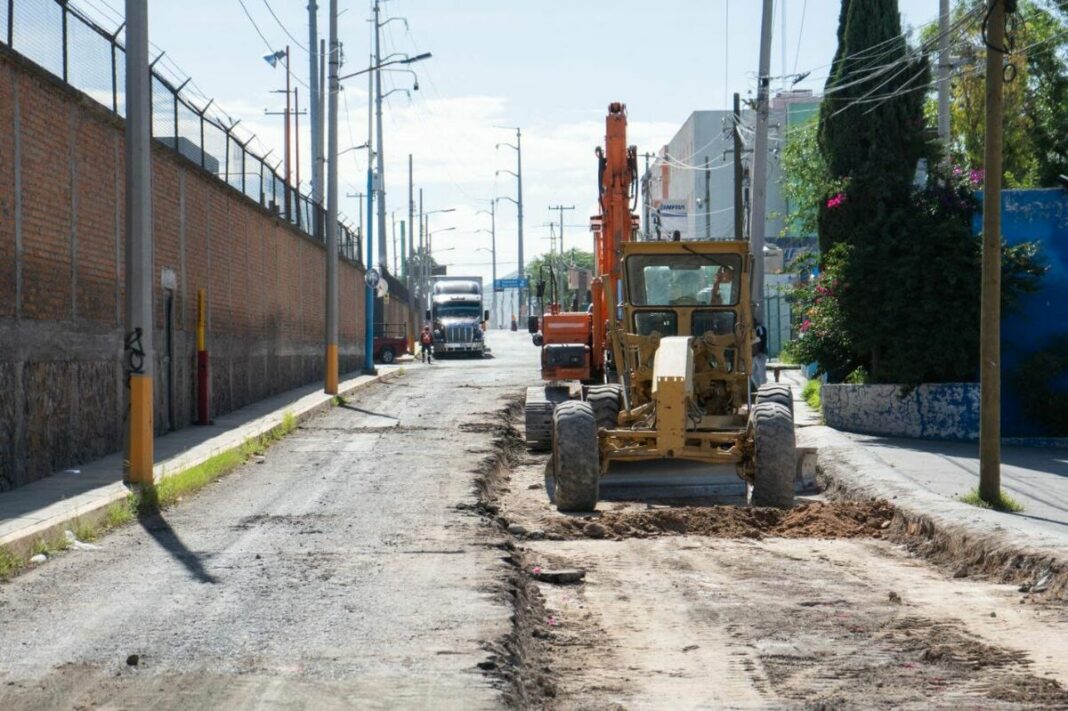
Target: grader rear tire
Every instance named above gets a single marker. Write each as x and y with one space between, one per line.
775 455
606 401
776 392
576 465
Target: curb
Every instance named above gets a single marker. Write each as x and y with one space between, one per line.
94 511
968 540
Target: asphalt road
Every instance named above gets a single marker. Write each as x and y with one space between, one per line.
337 574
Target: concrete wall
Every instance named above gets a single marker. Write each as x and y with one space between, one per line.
62 387
944 411
1039 216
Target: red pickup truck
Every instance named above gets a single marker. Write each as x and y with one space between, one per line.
391 341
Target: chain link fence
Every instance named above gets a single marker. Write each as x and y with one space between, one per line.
65 41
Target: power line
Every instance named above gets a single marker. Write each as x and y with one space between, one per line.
284 28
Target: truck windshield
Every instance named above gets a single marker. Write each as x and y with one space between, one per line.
683 279
458 311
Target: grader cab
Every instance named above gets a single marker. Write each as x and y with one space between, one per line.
683 343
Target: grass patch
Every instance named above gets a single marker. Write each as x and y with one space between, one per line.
811 393
339 400
9 563
1004 503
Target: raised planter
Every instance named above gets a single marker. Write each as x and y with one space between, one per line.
938 411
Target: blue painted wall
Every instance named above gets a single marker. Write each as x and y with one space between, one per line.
1033 216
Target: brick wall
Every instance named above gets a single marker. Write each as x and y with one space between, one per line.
62 192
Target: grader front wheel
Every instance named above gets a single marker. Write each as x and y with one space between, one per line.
576 465
775 455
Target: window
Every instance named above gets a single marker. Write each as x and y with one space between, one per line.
683 279
665 323
718 323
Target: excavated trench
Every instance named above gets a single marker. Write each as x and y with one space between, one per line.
813 602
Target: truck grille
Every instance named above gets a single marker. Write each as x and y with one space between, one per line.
459 334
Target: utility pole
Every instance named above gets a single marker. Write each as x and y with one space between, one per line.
316 127
319 148
423 258
645 195
739 210
288 169
369 293
560 209
708 200
943 78
139 355
378 143
411 222
990 320
331 370
760 181
518 148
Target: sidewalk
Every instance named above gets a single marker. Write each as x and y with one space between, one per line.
925 479
46 507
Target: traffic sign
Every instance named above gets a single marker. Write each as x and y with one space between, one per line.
372 277
511 284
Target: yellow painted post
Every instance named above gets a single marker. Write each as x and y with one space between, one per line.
331 369
141 429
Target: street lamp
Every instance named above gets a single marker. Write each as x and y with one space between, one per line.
369 294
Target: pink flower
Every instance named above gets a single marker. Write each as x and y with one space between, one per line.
976 176
836 200
536 569
805 325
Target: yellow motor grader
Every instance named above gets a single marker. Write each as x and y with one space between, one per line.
667 360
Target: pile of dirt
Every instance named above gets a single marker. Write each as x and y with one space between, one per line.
839 519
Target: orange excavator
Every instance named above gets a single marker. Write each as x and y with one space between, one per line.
661 367
574 347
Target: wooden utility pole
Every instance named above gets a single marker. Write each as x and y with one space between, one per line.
990 319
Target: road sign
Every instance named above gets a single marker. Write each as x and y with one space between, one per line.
372 277
501 284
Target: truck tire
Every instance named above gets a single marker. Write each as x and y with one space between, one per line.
775 455
776 392
386 355
576 465
538 415
606 401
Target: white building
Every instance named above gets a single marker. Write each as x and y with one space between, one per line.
694 172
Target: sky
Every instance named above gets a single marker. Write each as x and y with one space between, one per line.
549 67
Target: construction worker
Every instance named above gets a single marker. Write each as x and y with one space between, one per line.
426 342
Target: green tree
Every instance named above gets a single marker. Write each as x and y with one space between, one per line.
1035 135
539 268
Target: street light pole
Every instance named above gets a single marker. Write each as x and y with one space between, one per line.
316 127
518 147
492 212
139 355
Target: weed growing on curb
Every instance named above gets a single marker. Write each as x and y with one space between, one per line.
1004 503
9 563
339 400
811 393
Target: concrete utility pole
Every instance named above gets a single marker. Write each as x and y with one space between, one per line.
760 181
739 210
493 255
645 196
411 222
381 187
139 354
990 320
423 258
518 147
316 126
369 293
560 209
943 77
708 200
330 385
320 147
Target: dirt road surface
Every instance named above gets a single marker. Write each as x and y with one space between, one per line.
386 555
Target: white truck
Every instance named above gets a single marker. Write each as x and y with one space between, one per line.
457 315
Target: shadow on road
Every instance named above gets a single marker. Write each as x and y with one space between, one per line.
368 412
157 527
